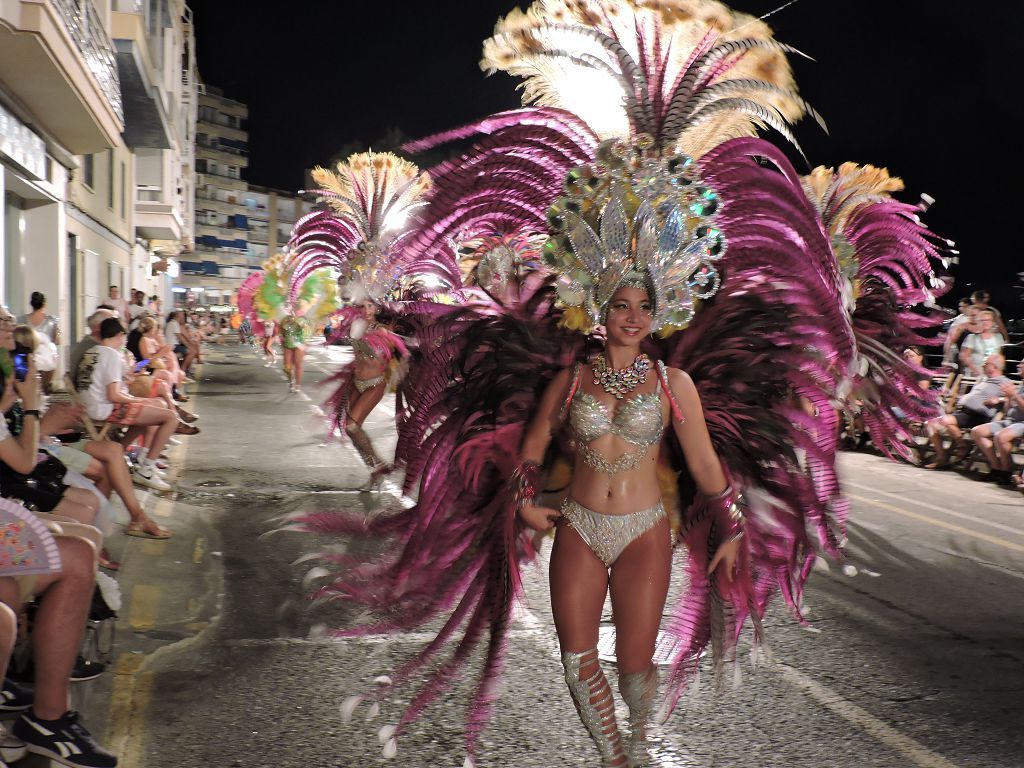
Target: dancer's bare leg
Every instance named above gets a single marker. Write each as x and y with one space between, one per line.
579 583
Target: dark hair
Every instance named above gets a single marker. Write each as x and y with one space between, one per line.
132 343
981 295
105 306
37 300
171 315
110 327
965 300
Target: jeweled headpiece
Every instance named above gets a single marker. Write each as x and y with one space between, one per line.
635 217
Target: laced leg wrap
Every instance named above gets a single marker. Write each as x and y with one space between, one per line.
363 445
595 705
639 690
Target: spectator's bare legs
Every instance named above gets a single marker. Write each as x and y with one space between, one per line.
59 623
152 416
79 504
190 357
1004 449
982 435
935 429
109 471
8 624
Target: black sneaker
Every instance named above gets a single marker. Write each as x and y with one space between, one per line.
86 670
63 740
14 698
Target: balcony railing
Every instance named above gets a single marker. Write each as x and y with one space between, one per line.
84 25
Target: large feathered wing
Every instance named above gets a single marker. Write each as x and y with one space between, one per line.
893 268
766 355
474 384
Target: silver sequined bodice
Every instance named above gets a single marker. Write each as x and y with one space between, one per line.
638 422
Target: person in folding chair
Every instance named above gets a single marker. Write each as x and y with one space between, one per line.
100 382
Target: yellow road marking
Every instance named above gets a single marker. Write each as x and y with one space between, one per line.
132 689
199 549
154 547
121 699
145 599
940 523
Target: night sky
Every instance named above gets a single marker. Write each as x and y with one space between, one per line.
932 95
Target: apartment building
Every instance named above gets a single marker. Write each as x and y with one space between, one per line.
238 225
97 114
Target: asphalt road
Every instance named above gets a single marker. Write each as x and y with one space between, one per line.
914 655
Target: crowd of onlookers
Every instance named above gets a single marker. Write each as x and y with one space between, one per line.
67 447
978 406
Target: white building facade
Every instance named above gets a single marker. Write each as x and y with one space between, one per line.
97 105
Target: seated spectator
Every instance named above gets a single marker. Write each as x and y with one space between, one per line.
100 381
978 347
102 461
996 438
20 454
163 363
973 409
47 330
46 726
88 341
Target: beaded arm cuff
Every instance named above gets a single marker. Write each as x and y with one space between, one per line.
725 509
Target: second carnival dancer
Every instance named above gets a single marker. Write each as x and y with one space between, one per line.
372 199
680 219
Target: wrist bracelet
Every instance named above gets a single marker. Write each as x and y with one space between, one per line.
30 412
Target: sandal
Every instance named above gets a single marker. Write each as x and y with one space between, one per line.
938 464
107 563
147 530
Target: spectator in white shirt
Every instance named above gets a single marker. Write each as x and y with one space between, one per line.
100 382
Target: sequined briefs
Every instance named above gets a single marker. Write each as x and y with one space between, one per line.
609 535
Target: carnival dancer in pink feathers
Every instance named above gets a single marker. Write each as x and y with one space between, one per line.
372 200
664 215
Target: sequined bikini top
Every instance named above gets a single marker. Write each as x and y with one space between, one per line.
637 422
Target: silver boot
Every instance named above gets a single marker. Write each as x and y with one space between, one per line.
639 690
593 699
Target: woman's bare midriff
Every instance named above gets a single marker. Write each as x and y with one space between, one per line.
368 369
619 494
